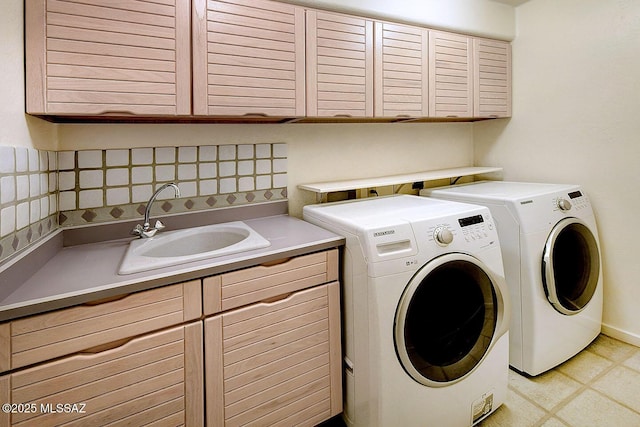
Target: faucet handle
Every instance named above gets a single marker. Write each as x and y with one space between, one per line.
137 230
159 225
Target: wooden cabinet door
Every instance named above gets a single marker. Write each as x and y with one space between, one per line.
450 75
339 65
103 57
45 336
248 58
492 78
401 71
155 379
276 362
247 286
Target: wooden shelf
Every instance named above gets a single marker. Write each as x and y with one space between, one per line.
355 184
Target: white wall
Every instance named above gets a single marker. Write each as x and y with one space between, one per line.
17 129
316 152
478 17
576 101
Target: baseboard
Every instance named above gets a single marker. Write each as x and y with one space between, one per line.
621 334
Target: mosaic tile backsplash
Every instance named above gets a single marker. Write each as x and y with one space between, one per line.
28 197
42 190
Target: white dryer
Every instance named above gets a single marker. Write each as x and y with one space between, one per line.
551 260
426 311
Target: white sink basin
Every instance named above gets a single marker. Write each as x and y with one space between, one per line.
191 244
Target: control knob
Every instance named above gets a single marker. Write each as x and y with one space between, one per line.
564 204
443 236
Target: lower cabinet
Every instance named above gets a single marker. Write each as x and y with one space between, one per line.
267 353
275 363
154 379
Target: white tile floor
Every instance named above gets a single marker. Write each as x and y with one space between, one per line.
599 387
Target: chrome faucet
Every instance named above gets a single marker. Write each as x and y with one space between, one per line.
145 229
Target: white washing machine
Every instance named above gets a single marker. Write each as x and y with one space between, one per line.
425 308
551 260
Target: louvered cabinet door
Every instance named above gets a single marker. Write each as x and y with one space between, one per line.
155 379
492 78
450 75
247 286
276 363
401 71
339 65
92 57
248 58
42 337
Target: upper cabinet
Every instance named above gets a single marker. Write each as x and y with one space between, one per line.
248 58
450 75
401 71
91 57
492 78
339 65
252 60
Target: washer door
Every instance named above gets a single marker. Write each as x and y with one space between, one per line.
447 319
570 266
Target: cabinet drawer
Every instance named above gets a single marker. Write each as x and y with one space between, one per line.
38 338
153 378
242 287
276 361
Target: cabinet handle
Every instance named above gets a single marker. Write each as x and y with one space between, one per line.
276 299
117 113
275 262
255 115
343 115
105 347
106 300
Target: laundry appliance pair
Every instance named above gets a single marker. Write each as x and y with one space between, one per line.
430 323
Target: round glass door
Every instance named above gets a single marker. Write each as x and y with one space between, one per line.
446 320
570 266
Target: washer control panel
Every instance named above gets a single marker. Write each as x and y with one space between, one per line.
568 201
475 228
468 229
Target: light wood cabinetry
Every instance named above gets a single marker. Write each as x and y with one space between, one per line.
242 287
248 58
255 60
492 78
116 360
102 57
270 347
155 378
339 65
401 71
450 75
42 337
276 358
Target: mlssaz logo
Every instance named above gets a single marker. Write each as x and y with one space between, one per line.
383 233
